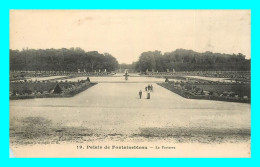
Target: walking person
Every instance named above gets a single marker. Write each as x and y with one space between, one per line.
146 88
140 94
152 88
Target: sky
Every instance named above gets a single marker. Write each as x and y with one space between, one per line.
125 34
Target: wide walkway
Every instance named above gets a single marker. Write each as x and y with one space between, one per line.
117 107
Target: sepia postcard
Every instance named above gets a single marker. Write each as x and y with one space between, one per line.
130 83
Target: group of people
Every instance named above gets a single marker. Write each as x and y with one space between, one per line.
148 89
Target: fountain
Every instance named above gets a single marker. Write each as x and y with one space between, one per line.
126 75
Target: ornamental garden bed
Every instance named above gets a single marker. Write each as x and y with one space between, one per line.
220 92
30 90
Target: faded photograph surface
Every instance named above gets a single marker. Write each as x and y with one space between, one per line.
130 83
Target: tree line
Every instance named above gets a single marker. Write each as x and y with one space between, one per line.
61 60
188 60
75 58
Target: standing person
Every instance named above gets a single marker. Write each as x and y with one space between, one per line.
151 87
140 94
146 88
148 95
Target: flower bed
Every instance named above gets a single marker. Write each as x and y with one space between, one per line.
203 93
30 90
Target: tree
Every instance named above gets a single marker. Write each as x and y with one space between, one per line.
188 60
60 60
